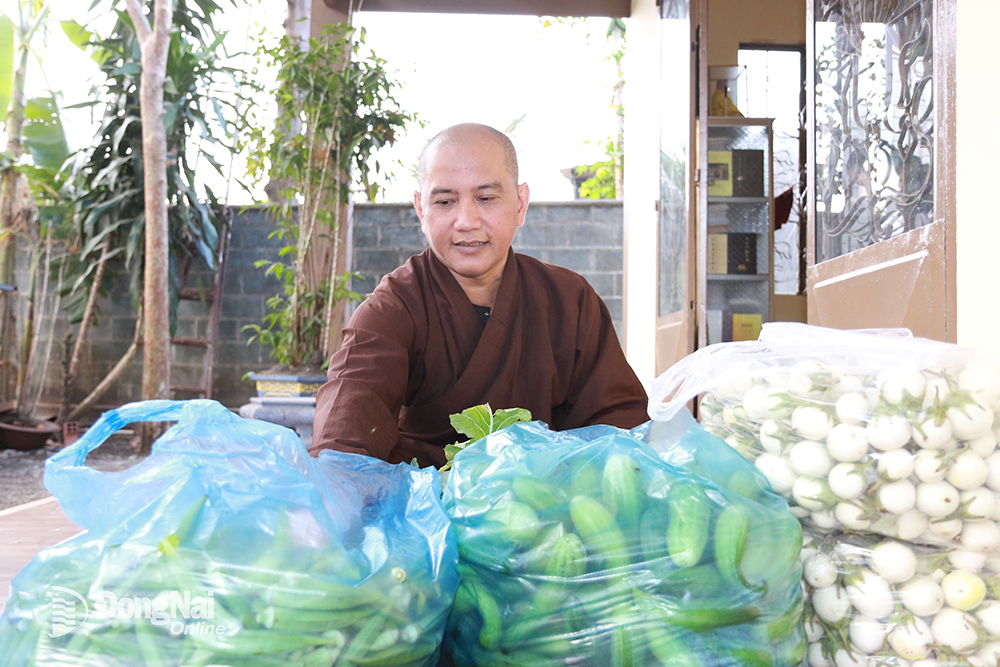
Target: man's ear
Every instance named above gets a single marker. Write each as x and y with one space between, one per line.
417 204
522 202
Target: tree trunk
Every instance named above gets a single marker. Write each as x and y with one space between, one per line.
13 192
154 43
109 379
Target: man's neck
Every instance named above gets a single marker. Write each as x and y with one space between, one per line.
480 294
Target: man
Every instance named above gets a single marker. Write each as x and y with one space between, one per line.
468 321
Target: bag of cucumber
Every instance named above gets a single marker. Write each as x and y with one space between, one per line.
230 546
599 546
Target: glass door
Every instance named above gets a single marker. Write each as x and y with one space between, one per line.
681 58
881 242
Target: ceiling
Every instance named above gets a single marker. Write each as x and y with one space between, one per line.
610 8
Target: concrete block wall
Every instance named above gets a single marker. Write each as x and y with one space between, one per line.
245 293
583 236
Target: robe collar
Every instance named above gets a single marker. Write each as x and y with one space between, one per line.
462 310
492 347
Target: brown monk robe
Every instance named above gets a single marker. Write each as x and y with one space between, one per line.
416 352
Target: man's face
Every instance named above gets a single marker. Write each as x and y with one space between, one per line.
469 208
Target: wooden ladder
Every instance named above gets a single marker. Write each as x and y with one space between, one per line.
213 297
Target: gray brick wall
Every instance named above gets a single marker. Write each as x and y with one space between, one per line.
583 236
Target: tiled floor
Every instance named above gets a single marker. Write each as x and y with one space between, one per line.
24 530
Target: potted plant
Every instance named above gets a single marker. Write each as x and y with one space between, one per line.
336 109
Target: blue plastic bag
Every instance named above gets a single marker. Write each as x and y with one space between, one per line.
568 555
229 545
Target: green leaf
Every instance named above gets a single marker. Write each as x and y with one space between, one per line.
451 450
475 422
478 422
44 136
6 63
504 418
84 40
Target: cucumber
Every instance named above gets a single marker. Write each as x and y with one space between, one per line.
690 514
601 535
622 489
541 496
732 530
513 522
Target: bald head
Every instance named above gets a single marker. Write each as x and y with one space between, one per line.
468 134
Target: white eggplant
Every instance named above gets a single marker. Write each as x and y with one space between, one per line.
811 422
895 465
819 571
897 497
989 616
771 437
778 472
963 590
810 459
982 382
911 640
967 471
979 503
970 420
921 595
893 561
847 443
900 384
982 535
937 499
911 525
847 481
867 634
963 559
887 432
870 594
955 630
831 603
852 408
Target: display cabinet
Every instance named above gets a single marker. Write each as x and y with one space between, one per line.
737 228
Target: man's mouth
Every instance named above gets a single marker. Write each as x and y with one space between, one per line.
470 244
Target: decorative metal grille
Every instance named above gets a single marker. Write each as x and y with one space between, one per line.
874 121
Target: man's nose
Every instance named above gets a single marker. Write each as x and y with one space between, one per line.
467 215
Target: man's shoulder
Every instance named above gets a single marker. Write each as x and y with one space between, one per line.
404 279
535 270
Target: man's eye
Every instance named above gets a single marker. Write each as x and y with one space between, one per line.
443 202
488 198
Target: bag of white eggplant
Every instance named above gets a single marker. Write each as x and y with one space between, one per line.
877 601
867 430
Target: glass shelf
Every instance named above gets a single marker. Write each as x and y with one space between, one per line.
737 200
736 277
738 228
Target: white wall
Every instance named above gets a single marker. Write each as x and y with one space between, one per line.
978 173
642 185
752 21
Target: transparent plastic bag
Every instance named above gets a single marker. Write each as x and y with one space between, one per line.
874 601
585 547
229 545
859 430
